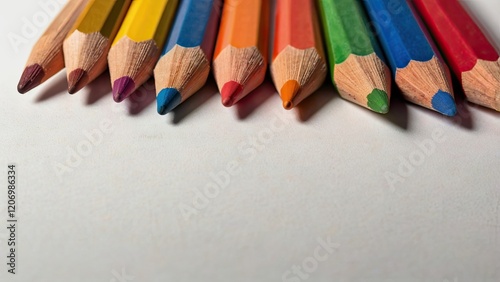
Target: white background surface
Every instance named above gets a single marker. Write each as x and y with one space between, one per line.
320 176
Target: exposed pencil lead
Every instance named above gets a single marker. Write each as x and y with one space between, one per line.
31 78
288 93
123 87
167 100
77 79
230 92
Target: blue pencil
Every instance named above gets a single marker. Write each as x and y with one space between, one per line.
417 66
184 65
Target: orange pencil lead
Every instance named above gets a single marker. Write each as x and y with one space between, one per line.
288 93
298 66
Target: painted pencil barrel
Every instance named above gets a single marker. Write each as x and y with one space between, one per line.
357 64
240 57
138 44
417 66
184 65
470 54
298 66
46 58
87 45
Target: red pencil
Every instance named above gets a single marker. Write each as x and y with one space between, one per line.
471 56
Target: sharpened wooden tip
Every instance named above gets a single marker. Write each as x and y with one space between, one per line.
31 78
288 93
77 79
230 92
482 84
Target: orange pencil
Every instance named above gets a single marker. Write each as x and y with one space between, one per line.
46 58
240 57
298 66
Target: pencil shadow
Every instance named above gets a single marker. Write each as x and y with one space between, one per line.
462 119
59 86
195 101
398 111
464 106
482 109
315 102
141 98
255 99
98 88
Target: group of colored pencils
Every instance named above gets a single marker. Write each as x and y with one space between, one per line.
369 44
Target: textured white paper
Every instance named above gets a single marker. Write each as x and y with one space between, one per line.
249 193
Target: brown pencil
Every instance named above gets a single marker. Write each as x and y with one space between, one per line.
46 58
86 47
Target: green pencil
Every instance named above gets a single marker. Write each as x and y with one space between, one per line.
357 65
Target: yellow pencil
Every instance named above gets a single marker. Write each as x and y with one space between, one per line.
87 45
137 46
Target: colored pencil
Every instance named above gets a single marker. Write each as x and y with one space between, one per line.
184 65
471 56
87 45
240 59
138 44
46 58
357 64
417 66
298 66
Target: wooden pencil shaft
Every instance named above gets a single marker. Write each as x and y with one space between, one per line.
416 63
471 56
298 67
357 64
240 56
87 46
185 61
137 46
46 58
